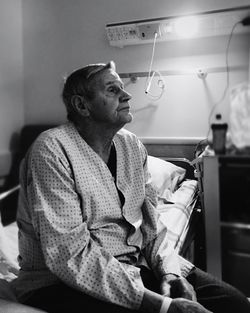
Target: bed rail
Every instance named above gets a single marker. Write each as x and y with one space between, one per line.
9 192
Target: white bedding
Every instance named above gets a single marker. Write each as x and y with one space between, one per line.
8 251
175 212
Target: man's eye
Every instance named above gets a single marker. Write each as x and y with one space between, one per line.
114 89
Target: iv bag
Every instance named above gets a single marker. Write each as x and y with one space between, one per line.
239 120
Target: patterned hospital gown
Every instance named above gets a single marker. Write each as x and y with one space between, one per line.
73 226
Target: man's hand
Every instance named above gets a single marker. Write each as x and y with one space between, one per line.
152 302
177 287
181 305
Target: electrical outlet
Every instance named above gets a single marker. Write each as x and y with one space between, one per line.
148 31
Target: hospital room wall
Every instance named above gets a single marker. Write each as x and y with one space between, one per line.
11 79
62 35
42 41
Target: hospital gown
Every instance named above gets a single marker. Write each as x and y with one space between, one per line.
73 226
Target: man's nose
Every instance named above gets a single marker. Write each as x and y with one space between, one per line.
125 96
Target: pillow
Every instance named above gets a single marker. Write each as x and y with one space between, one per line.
165 176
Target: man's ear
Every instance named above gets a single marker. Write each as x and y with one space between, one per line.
79 105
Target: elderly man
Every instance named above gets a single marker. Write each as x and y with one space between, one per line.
89 235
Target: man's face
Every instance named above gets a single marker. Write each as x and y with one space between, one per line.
110 103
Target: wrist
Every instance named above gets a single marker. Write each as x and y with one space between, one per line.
165 305
151 302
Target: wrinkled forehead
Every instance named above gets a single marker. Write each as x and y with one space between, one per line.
107 77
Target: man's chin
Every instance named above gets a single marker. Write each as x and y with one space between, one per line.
124 120
129 118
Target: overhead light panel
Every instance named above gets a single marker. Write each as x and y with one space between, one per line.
203 24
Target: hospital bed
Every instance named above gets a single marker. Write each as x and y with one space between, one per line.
173 177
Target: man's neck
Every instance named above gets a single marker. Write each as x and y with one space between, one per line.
98 138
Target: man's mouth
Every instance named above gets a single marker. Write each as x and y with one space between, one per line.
125 109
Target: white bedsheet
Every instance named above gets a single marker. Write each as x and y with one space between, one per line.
175 212
8 251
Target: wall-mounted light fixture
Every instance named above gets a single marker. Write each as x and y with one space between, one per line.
186 27
202 24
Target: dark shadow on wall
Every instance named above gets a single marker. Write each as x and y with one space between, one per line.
19 144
